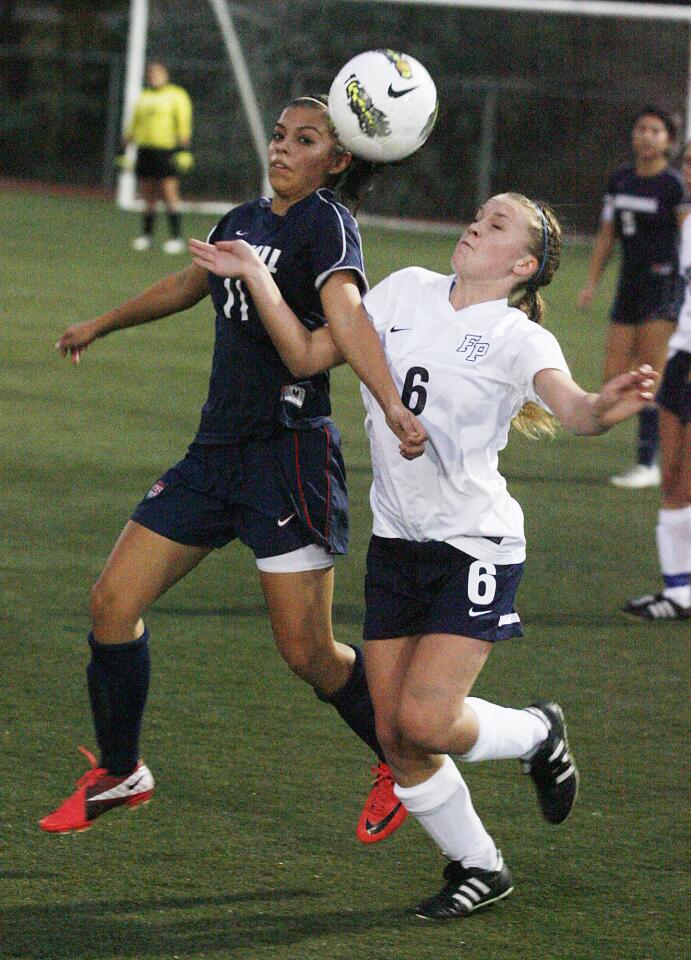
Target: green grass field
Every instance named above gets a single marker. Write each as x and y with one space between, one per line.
248 851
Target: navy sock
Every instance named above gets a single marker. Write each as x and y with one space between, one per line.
118 679
148 224
174 224
647 435
354 705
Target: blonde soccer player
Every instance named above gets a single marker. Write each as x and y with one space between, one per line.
470 357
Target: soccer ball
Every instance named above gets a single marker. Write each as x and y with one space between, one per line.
383 105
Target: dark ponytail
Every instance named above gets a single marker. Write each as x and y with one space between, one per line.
355 182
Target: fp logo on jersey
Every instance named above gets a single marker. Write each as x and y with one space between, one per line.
473 346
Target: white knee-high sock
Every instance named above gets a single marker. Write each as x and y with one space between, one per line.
673 535
444 810
505 733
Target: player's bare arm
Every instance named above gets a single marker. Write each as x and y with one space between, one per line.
176 292
350 334
305 353
357 340
602 251
589 414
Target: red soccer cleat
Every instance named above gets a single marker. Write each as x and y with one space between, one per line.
383 811
97 792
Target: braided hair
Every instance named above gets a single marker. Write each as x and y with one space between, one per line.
544 243
355 182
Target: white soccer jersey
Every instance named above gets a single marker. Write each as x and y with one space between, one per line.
681 338
465 374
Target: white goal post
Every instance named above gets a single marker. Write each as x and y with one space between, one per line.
221 15
134 76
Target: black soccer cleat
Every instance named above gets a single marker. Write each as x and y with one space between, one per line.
656 607
552 768
466 890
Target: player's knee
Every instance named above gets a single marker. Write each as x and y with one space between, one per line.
388 735
110 609
419 725
304 661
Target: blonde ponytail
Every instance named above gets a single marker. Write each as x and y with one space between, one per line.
544 242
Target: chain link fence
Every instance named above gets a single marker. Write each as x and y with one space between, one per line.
538 103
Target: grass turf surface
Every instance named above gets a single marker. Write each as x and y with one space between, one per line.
248 850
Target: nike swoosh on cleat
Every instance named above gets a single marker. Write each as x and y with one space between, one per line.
400 93
478 613
375 828
282 523
131 786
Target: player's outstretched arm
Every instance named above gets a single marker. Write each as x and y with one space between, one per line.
358 341
173 293
349 334
304 352
592 413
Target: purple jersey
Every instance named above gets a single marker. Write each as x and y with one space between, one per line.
644 212
315 238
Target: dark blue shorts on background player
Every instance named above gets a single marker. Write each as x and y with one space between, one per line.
422 588
647 297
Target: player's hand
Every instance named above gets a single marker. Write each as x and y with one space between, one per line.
76 339
409 431
625 395
227 258
586 296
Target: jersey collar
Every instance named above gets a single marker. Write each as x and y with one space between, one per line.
478 311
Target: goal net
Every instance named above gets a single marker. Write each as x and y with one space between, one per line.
532 98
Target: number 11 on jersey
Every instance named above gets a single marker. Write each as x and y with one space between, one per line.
229 283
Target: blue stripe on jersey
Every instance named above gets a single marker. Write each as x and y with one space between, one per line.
316 237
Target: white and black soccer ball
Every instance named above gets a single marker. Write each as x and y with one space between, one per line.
383 105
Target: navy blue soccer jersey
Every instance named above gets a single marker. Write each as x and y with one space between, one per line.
644 212
315 238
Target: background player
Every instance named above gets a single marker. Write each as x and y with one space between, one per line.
673 532
448 548
265 466
643 210
161 125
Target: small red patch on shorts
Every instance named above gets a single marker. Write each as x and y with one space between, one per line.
155 490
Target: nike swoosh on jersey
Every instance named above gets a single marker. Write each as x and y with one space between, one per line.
241 233
282 523
374 828
400 93
478 613
395 329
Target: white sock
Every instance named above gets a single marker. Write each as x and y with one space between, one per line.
444 810
505 733
673 534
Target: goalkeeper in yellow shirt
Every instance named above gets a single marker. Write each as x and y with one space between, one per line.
161 128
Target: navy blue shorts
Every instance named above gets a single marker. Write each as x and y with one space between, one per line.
420 588
674 392
154 163
648 297
275 495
